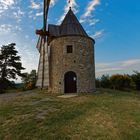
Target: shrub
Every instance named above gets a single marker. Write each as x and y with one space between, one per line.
98 83
120 82
105 81
136 79
29 80
6 84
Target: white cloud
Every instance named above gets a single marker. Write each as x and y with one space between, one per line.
74 7
98 34
90 21
5 4
11 9
39 14
8 28
109 70
129 63
37 8
18 14
5 28
86 17
91 7
35 5
93 21
53 2
125 66
30 57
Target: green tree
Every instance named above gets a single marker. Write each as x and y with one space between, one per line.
136 79
120 82
105 81
10 65
127 82
98 83
29 80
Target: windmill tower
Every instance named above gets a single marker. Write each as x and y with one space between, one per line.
67 56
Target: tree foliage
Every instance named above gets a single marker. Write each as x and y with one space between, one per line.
29 80
136 79
10 65
119 81
105 81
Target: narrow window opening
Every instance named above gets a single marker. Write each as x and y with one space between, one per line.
69 49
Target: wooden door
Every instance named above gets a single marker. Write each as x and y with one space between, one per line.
70 82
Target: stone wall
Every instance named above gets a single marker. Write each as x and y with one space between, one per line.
81 61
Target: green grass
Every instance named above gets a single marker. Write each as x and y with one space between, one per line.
105 115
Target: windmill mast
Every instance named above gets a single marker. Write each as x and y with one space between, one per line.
45 13
44 38
42 46
44 17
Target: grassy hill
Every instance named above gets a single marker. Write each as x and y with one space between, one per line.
104 115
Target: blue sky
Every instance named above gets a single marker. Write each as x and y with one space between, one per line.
115 25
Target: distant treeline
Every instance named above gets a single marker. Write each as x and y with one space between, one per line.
120 81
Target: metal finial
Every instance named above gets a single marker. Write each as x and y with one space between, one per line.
69 1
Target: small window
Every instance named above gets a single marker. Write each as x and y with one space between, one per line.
69 49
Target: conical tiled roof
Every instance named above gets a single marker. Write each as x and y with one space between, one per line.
69 26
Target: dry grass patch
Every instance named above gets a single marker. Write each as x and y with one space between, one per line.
104 115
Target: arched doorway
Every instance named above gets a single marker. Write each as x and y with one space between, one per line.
70 82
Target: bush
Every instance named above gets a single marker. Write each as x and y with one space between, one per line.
30 86
29 80
120 82
98 83
117 81
6 84
136 79
105 81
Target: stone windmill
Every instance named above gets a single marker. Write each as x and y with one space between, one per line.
67 56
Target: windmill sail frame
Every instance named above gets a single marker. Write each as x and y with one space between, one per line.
42 45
